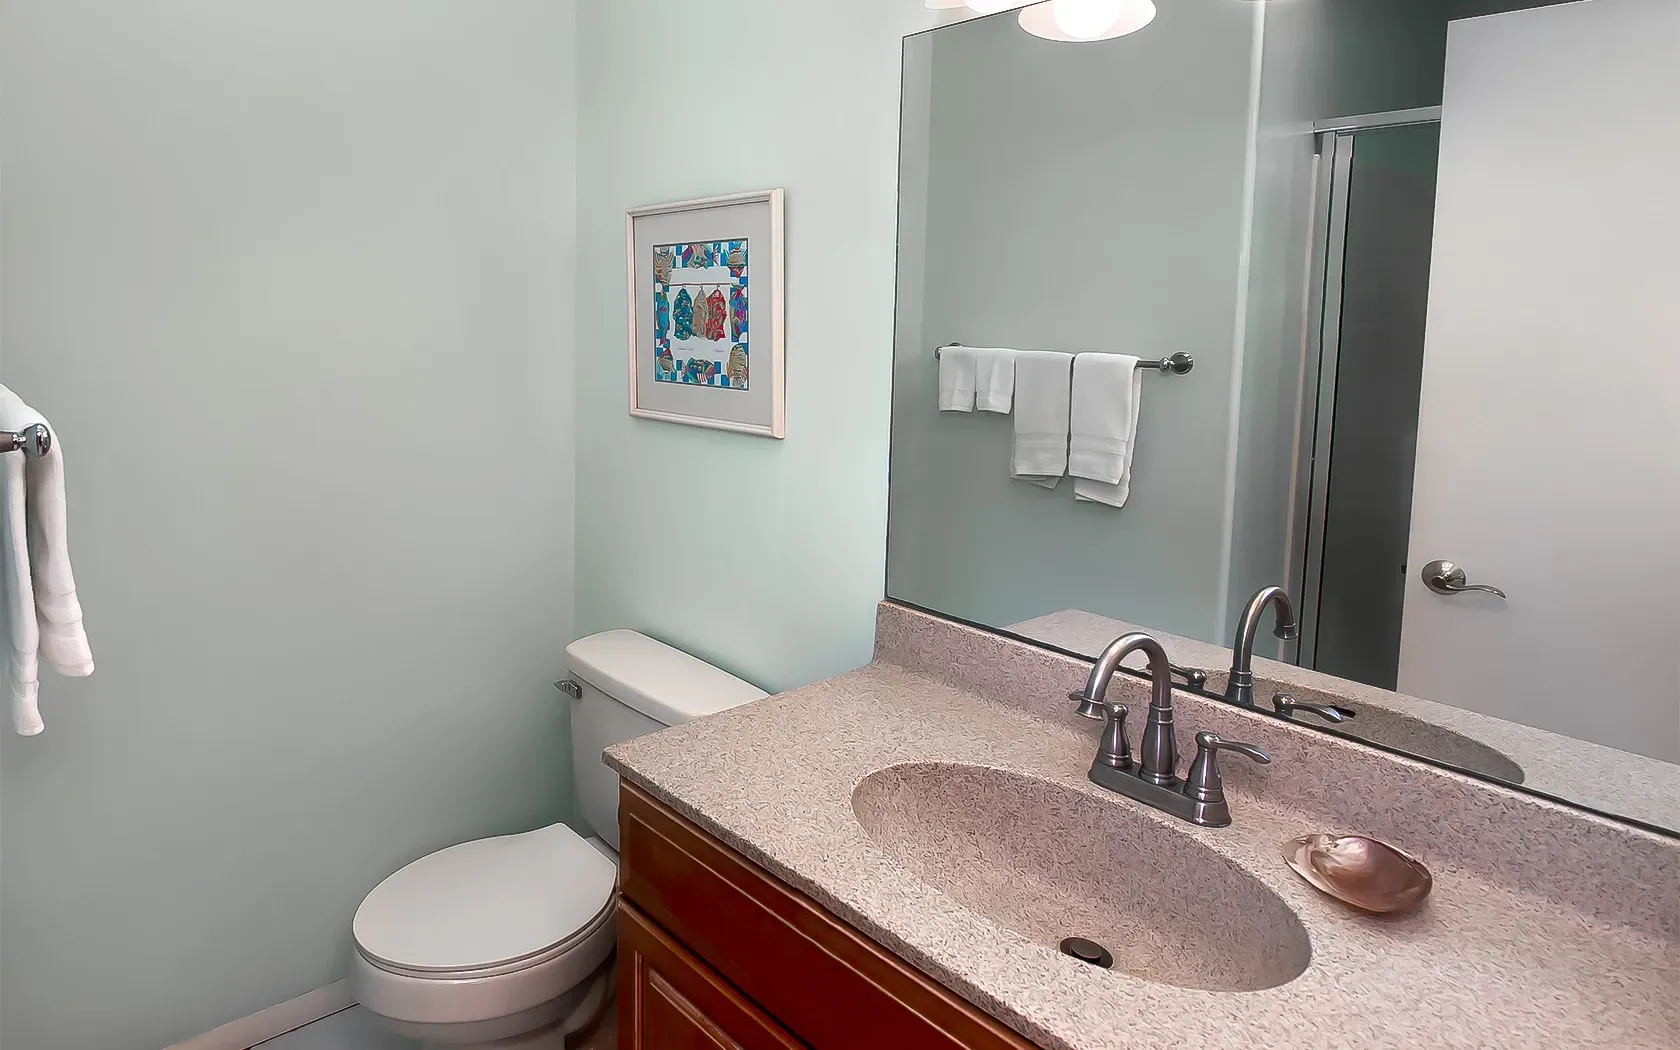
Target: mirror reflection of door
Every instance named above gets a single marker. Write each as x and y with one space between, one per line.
1548 441
1511 438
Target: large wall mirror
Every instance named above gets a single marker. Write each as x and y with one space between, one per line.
1420 257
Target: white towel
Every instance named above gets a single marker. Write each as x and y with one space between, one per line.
23 634
956 379
1043 382
1107 398
44 616
994 379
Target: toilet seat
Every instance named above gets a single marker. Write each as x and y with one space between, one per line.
486 908
558 951
486 1006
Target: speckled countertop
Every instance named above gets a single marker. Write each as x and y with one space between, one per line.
1547 927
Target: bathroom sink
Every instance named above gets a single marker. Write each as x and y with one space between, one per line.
1402 732
1050 863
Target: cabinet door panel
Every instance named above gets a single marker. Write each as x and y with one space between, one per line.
669 1000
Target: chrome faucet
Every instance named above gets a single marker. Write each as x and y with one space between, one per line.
1153 779
1240 688
1159 755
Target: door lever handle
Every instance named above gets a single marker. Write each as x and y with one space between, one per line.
1444 577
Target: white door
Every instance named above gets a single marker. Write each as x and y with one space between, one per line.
1548 459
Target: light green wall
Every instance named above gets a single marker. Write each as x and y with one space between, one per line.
292 279
763 557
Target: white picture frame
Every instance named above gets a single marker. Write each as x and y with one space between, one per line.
738 384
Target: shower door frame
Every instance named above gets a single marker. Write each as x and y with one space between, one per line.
1336 141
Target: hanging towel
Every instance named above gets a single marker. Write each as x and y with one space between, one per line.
994 380
44 617
23 633
1107 398
1042 389
956 379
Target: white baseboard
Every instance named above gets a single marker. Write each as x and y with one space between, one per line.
275 1021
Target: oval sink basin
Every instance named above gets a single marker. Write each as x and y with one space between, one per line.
1049 863
1402 732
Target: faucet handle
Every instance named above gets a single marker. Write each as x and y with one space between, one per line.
1205 784
1115 750
1287 705
1194 677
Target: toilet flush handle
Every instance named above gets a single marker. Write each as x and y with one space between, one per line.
570 688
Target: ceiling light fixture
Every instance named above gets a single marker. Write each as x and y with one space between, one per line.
1086 19
1080 21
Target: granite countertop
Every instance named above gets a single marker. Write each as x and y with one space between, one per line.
1608 779
1486 962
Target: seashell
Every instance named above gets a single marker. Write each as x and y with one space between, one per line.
1366 873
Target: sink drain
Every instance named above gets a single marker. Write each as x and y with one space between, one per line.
1088 952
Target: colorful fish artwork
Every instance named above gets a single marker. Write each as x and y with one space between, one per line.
682 315
716 327
686 311
700 373
738 313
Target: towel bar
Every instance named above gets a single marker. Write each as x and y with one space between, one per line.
1176 365
34 442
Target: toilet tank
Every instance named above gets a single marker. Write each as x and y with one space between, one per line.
632 685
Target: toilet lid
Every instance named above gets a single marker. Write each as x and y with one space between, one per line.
486 903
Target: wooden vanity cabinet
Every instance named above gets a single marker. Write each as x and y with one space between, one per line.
714 952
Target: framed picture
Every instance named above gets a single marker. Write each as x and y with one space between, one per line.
707 328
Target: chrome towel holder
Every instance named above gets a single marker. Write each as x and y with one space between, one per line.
1175 365
34 442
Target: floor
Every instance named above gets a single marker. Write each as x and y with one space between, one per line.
355 1029
352 1029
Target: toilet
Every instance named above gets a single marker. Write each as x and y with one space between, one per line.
507 943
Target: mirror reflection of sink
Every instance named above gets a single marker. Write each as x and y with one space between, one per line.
1050 863
1400 731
